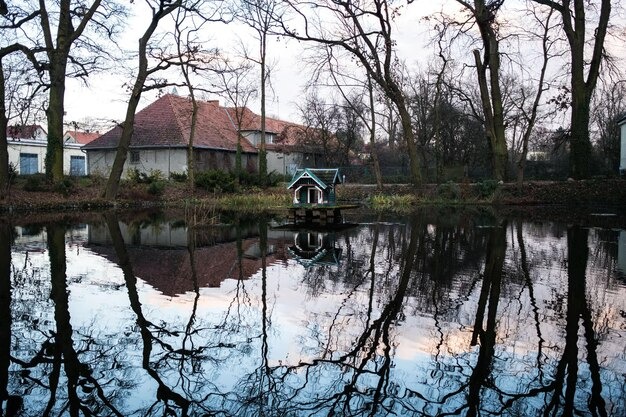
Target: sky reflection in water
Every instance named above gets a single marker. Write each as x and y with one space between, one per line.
466 315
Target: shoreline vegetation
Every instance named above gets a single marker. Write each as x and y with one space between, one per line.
85 194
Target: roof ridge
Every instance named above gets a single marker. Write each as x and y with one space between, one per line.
176 115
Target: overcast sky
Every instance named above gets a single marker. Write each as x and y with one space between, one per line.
105 97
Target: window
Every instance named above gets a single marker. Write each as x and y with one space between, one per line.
77 166
134 157
28 163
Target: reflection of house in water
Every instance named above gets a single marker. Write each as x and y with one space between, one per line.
315 248
33 237
159 255
621 254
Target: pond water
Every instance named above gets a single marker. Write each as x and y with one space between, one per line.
422 315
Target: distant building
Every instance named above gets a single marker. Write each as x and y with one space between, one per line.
27 151
75 136
161 138
285 142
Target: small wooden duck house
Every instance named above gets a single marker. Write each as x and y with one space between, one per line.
314 186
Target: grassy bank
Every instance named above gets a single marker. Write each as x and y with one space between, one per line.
603 192
85 194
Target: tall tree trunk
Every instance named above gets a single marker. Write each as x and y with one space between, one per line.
397 98
5 181
262 150
372 129
58 56
55 114
491 99
580 144
490 93
113 183
575 25
190 152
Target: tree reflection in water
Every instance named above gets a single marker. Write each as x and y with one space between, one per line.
426 317
10 403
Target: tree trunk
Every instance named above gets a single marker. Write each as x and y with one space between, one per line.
409 137
5 181
55 114
192 134
58 55
575 26
5 309
492 110
580 145
373 150
262 151
113 183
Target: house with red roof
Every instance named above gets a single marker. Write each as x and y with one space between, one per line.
288 145
161 138
75 136
27 145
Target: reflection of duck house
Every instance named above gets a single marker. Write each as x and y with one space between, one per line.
315 248
314 195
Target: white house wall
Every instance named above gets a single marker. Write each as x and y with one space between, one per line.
165 160
254 137
284 163
38 148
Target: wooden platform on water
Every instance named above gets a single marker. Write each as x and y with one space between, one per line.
321 214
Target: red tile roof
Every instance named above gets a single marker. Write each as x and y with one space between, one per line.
167 123
83 137
288 134
23 131
169 269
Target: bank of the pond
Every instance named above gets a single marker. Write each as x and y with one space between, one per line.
598 192
609 192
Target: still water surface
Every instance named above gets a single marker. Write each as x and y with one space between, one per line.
418 316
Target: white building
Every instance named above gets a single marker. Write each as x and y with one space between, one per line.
161 134
26 146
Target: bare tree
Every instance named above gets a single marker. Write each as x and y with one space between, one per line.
364 32
488 72
15 20
321 120
235 85
576 16
608 107
260 15
529 113
342 80
160 10
70 20
192 59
